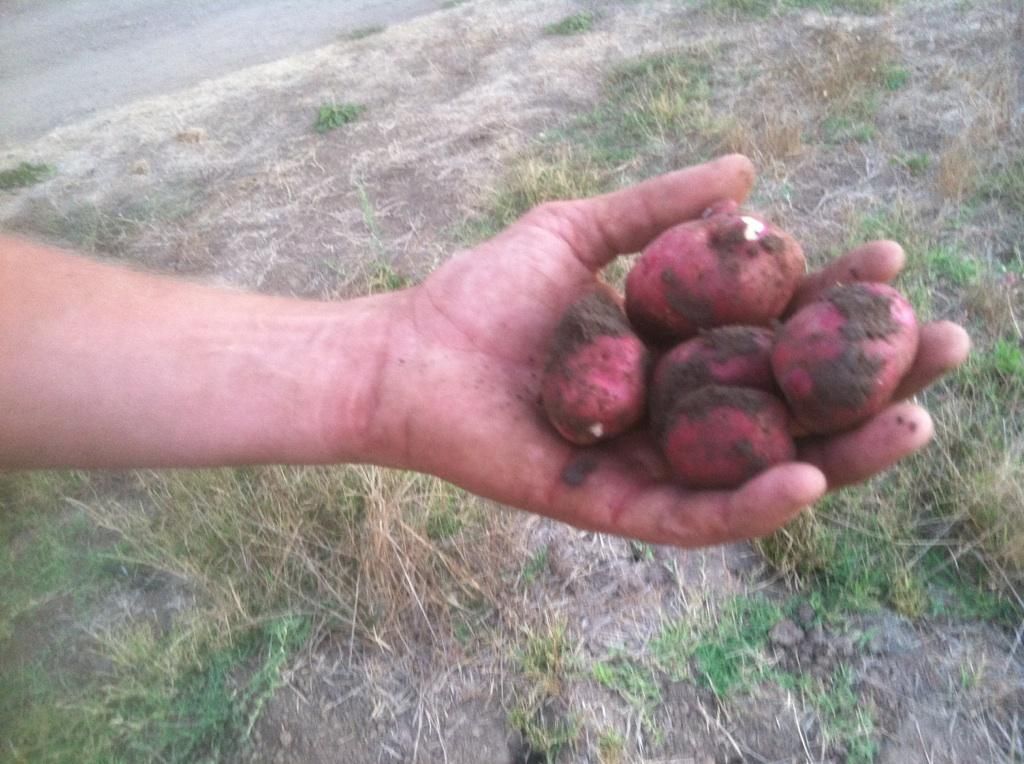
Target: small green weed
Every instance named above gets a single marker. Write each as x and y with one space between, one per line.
546 660
844 129
362 32
534 566
641 552
24 174
633 681
611 747
334 115
444 523
548 656
382 277
766 7
916 164
546 732
895 77
577 23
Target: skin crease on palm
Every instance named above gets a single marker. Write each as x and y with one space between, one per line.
475 342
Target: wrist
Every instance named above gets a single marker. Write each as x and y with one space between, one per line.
355 412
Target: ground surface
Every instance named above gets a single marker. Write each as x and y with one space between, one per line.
63 60
367 616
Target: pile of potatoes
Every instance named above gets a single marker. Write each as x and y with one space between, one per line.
703 355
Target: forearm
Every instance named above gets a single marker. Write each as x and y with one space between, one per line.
105 367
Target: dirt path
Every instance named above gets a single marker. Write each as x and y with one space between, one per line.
62 60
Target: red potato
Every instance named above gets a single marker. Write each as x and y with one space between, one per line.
734 356
839 359
727 268
719 437
595 381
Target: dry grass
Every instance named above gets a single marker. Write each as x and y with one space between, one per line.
768 137
987 139
562 173
391 558
841 64
958 169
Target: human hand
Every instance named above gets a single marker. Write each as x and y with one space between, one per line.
460 382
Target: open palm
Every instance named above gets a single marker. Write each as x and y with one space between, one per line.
471 343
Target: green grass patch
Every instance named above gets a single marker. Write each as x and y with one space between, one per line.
646 103
331 116
547 173
445 520
381 277
548 655
111 228
950 265
174 698
24 174
846 723
842 128
47 548
192 693
729 653
955 593
1006 185
546 733
577 23
1007 360
852 119
725 654
848 560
